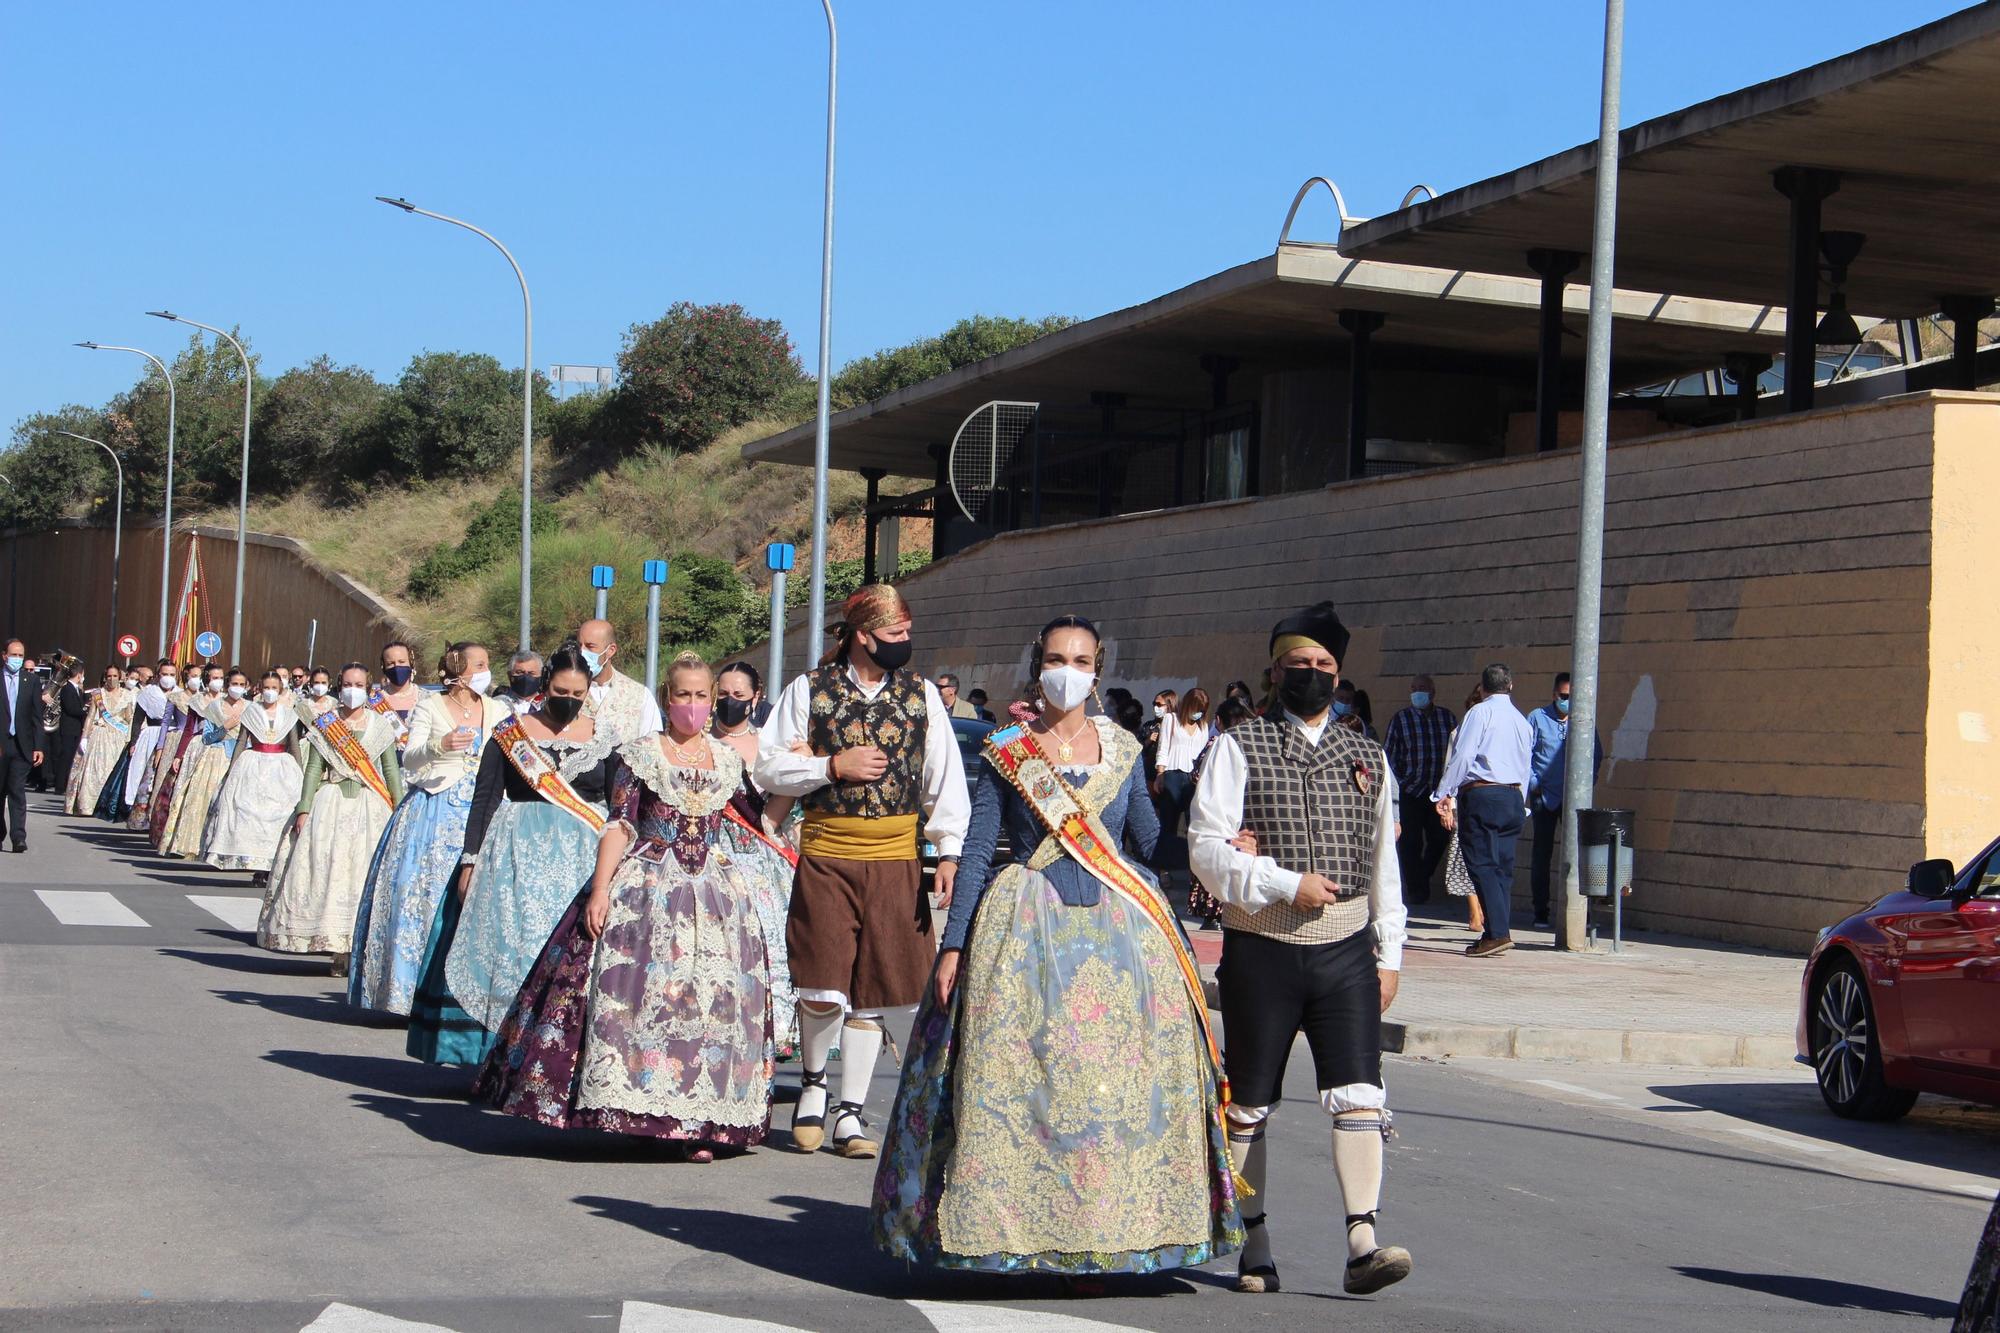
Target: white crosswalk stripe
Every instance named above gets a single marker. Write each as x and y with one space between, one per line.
78 907
643 1317
236 913
338 1318
973 1318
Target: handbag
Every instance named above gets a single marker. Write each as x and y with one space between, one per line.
1457 879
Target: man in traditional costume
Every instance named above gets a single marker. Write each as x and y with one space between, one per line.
1313 926
882 760
620 707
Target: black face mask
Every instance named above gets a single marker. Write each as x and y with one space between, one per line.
1305 691
891 656
731 712
525 686
399 676
561 711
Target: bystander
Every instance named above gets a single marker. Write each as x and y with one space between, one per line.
1416 743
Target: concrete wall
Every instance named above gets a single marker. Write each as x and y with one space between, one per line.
60 595
1769 705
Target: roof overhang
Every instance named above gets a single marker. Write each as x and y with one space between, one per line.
1279 311
1912 126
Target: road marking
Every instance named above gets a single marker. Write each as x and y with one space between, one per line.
1592 1093
973 1318
644 1317
338 1318
1782 1140
75 907
236 913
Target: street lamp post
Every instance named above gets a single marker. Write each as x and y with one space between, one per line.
816 607
527 397
167 521
243 474
117 525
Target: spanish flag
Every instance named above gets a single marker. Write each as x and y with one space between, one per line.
187 615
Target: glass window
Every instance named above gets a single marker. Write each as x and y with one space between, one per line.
1227 450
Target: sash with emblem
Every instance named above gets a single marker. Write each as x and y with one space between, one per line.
341 748
536 770
380 703
1015 755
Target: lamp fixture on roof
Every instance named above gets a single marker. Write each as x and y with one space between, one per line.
1837 327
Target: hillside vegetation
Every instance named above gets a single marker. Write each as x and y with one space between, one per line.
413 488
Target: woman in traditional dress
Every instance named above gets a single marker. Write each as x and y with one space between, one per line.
261 794
399 692
648 1012
106 735
344 805
194 739
420 849
320 692
1059 1109
760 834
525 857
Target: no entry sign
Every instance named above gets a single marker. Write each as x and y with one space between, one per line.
128 645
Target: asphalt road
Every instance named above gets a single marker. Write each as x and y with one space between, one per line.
199 1135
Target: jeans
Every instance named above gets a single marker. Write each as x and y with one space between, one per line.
1489 824
1176 795
1548 823
1421 847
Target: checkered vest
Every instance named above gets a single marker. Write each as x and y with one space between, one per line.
896 720
1306 805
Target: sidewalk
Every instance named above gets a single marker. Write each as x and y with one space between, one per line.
1665 1000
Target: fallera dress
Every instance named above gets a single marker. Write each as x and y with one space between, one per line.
771 873
310 907
418 855
105 741
259 796
528 860
661 1027
201 777
176 757
1059 1114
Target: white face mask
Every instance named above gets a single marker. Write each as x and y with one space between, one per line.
238 691
353 696
168 682
319 689
1160 711
1066 686
215 687
479 681
268 696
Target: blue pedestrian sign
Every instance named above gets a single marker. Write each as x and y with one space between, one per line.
653 572
779 557
602 575
208 643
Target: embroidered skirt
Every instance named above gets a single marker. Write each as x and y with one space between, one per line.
530 867
770 876
1059 1114
406 881
441 1032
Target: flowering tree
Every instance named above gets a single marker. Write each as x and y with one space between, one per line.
700 369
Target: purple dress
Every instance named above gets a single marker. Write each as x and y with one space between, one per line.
661 1026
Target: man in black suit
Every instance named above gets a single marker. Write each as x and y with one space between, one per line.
21 703
72 707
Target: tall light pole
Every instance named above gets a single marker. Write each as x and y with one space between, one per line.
816 612
243 474
117 526
166 522
527 398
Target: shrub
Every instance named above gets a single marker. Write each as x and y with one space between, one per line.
493 533
699 370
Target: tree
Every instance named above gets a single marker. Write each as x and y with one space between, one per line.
208 436
870 377
54 476
698 370
707 607
451 413
310 416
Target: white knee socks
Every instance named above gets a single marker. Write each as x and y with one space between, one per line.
817 1030
860 1046
1246 1153
1357 1162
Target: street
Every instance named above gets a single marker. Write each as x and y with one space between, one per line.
201 1135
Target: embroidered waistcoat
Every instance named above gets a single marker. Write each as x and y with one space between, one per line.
1312 811
895 721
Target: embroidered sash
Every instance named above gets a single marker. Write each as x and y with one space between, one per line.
342 749
784 849
380 703
536 770
1016 757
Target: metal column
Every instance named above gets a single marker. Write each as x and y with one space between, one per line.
1806 187
778 558
601 578
1554 267
654 574
1360 326
1745 368
873 476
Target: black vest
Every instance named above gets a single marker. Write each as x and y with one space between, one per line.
896 721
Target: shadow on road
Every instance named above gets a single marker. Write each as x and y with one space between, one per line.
1943 1133
378 1073
261 964
331 1007
1826 1293
827 1243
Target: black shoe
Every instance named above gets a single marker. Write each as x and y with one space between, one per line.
1541 923
18 847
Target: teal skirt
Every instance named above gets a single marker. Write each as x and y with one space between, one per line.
440 1031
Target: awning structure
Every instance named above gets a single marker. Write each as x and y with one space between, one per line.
1910 127
1282 310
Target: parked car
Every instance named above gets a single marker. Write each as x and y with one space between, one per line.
1903 997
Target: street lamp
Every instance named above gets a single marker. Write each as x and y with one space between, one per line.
117 526
527 396
243 474
816 612
167 523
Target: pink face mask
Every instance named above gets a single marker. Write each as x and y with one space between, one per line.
687 718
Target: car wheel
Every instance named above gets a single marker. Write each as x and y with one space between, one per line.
1847 1057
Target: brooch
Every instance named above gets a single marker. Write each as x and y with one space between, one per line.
1364 777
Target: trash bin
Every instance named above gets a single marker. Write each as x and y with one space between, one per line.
1596 831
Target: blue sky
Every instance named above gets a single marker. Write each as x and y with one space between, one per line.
1026 157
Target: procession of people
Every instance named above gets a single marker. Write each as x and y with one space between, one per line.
622 911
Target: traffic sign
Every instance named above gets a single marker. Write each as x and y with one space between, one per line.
780 556
653 572
128 645
601 576
208 643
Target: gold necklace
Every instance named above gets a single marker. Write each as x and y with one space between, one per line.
1066 745
681 756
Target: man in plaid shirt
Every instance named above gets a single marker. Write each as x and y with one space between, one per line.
1416 743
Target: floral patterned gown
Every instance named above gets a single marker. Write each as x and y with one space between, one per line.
662 1025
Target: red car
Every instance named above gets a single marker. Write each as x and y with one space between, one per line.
1903 997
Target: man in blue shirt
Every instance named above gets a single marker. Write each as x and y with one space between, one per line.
1482 794
1546 789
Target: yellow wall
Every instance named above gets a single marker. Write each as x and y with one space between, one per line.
1962 755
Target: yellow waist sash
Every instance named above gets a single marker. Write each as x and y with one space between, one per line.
859 838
